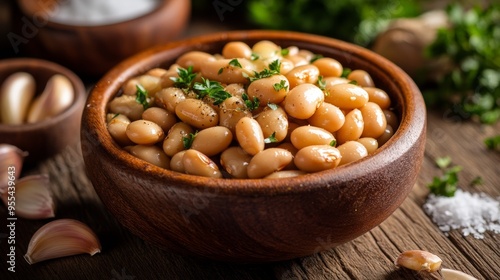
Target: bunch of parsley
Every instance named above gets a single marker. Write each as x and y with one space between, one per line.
472 43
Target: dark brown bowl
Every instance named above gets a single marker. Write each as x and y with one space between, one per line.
46 138
255 220
92 50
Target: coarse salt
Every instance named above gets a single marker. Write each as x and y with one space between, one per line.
100 12
472 213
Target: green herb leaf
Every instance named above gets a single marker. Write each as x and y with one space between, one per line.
321 83
493 143
271 138
254 57
333 143
443 162
234 62
274 69
220 71
353 82
187 141
478 180
446 185
185 79
142 96
281 85
250 104
315 57
212 89
345 72
285 52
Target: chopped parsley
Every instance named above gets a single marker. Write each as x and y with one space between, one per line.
493 143
281 85
345 72
212 89
187 141
285 52
443 162
446 185
142 96
271 138
274 69
250 104
321 83
315 57
254 57
234 62
333 143
185 79
353 82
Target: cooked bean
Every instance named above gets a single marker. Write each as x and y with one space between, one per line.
303 100
303 74
328 67
291 148
117 128
213 140
361 77
126 105
168 98
249 135
130 87
235 161
388 133
378 96
374 120
391 118
196 113
307 54
346 96
196 163
195 59
236 49
151 154
317 158
285 174
370 144
167 79
328 116
331 81
352 128
231 111
286 65
266 49
176 162
160 116
298 60
157 72
273 121
173 141
351 151
304 136
226 72
268 161
150 83
235 89
269 90
144 132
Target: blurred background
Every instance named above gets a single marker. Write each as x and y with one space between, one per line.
450 48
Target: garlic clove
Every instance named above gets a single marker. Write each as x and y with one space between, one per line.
62 238
419 260
55 98
11 163
16 94
33 197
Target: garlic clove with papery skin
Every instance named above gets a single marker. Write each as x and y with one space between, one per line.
419 260
62 238
11 164
55 98
33 199
16 94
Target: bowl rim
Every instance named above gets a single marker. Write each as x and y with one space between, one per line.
162 6
402 140
78 86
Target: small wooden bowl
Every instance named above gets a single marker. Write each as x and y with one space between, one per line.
92 50
255 220
46 138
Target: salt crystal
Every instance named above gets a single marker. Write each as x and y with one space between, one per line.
100 12
474 214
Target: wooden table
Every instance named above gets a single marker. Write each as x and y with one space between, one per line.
371 256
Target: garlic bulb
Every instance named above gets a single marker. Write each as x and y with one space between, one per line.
62 238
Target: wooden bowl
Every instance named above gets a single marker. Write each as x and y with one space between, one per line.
46 138
255 220
92 50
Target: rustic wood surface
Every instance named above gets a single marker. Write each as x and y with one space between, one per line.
370 256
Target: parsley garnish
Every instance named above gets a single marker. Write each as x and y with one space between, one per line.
251 104
271 138
493 143
220 71
187 141
234 62
315 57
142 96
285 52
345 72
281 85
446 185
212 89
353 82
185 79
254 57
274 69
333 143
443 162
321 83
